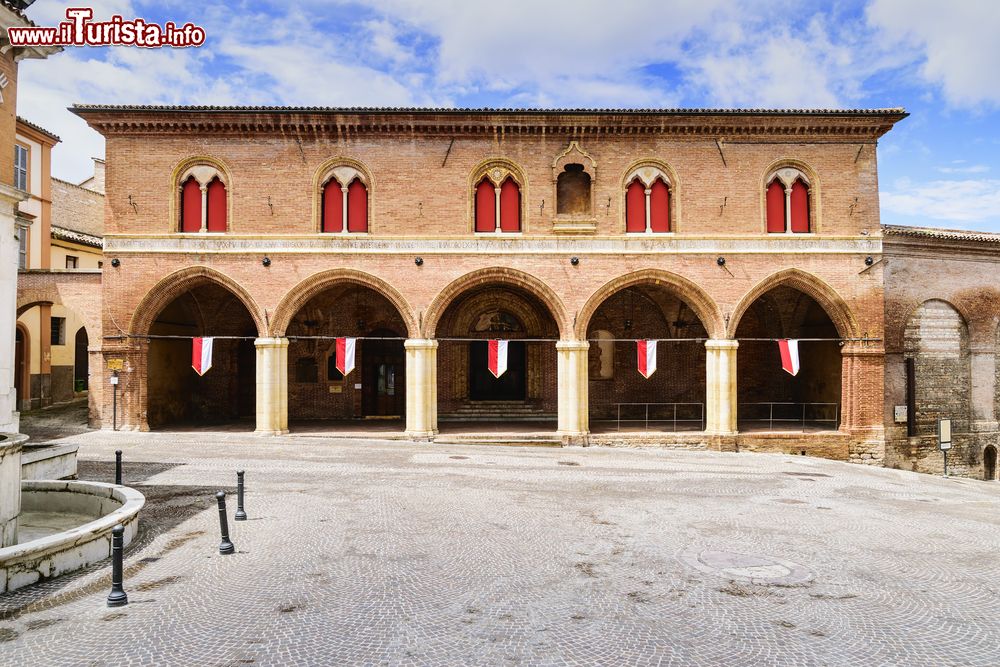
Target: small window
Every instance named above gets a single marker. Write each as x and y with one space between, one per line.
100 265
20 167
648 201
306 370
58 331
71 262
22 248
333 373
344 201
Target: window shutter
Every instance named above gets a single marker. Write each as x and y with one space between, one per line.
216 206
333 207
659 206
635 207
510 206
486 215
800 207
775 207
191 206
357 207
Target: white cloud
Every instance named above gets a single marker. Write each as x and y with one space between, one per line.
972 200
956 42
971 169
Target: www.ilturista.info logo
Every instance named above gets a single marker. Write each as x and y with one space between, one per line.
79 30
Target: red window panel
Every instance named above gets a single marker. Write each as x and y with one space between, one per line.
357 206
659 206
635 207
486 207
775 207
800 207
333 207
191 206
510 206
216 206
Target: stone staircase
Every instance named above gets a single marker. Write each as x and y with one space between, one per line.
498 411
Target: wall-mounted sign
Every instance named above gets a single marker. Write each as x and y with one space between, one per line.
944 433
899 414
116 364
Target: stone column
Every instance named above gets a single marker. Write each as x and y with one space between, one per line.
9 196
421 388
272 386
983 363
720 384
574 406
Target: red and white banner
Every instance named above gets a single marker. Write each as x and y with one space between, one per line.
647 357
789 355
345 354
201 355
498 357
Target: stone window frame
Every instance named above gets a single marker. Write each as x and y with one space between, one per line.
787 170
204 168
497 170
648 170
574 154
345 170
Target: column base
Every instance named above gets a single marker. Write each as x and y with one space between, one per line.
574 438
421 436
268 432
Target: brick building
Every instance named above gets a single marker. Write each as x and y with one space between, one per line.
59 266
570 233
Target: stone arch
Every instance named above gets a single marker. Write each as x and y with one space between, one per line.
831 302
700 302
808 174
497 170
299 295
502 276
204 168
345 170
181 281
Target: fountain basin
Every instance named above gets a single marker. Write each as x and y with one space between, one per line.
48 461
47 506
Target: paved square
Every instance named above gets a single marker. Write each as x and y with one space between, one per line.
406 554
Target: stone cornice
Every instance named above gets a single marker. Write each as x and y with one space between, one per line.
792 126
233 244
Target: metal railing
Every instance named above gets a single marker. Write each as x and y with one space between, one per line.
673 419
790 413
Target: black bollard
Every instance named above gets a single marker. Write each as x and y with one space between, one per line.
241 514
117 596
118 467
225 547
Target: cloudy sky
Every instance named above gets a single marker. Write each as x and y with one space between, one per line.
940 60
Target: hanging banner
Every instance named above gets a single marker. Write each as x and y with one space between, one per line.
789 355
647 357
498 357
345 354
201 355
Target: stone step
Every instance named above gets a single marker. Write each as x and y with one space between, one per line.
500 440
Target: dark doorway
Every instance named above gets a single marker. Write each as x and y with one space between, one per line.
20 369
246 370
990 463
383 376
81 361
508 387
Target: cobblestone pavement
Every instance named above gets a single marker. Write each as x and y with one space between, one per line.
406 554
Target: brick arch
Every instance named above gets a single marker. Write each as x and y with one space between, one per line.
829 300
498 276
299 295
181 281
78 291
701 303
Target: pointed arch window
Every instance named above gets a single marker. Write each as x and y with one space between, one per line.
497 202
648 201
787 202
344 201
204 201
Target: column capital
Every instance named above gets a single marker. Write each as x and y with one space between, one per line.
420 344
260 343
571 345
721 344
